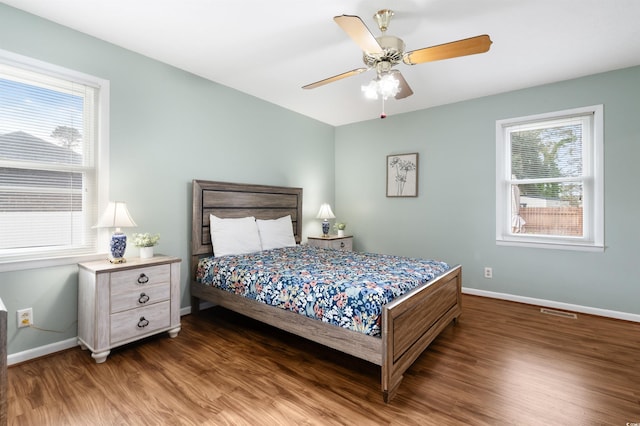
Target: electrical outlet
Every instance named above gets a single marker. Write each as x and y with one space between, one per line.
488 272
25 317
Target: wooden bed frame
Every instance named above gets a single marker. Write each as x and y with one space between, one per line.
409 323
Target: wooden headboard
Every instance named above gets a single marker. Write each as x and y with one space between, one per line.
234 200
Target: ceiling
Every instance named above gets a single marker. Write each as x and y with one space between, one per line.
270 49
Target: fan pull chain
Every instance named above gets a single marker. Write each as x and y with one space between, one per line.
383 114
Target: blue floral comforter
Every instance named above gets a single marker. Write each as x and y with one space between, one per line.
343 288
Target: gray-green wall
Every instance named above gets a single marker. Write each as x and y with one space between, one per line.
167 127
454 215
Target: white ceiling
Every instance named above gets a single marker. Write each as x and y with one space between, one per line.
270 49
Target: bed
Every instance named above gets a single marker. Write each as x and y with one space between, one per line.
409 323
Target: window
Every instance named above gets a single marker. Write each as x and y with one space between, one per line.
51 157
549 180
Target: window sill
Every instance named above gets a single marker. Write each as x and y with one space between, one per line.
20 265
553 246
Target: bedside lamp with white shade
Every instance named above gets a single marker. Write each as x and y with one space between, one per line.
325 213
116 216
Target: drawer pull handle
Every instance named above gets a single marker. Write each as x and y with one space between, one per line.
143 279
143 322
143 299
341 244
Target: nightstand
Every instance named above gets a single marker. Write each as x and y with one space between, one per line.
125 302
332 242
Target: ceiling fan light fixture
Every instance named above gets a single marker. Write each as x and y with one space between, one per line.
370 90
388 86
385 86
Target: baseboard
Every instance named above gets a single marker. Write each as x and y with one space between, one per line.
40 351
30 354
556 305
203 305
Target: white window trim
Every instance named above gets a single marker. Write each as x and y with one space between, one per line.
102 152
595 240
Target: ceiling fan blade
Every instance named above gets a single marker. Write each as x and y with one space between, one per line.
468 46
405 90
358 31
335 78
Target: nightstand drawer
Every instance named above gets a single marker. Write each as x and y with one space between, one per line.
343 244
136 322
332 242
136 279
140 297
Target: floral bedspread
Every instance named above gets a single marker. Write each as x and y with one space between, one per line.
343 288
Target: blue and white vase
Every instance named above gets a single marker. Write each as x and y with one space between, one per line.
118 245
325 227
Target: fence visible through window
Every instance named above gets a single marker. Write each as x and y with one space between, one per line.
565 221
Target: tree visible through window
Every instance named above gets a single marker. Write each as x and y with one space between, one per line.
549 185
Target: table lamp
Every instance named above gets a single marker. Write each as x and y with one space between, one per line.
116 216
326 214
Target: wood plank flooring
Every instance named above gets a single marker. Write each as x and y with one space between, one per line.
504 363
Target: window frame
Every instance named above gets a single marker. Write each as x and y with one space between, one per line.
592 180
101 153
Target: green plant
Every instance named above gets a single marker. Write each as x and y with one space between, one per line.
340 226
145 240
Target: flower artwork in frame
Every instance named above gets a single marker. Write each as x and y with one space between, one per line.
402 175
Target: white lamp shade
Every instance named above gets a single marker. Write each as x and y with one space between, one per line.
325 212
116 216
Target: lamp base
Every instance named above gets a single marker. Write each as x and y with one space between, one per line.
325 228
118 245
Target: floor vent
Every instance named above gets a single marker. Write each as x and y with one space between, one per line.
559 313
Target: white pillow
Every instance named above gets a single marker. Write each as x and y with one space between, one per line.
234 236
276 233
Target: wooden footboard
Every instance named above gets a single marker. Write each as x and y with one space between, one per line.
412 322
409 324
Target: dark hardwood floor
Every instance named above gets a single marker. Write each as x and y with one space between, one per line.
503 363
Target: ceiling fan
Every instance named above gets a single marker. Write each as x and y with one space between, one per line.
384 52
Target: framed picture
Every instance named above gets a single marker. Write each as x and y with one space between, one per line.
402 175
